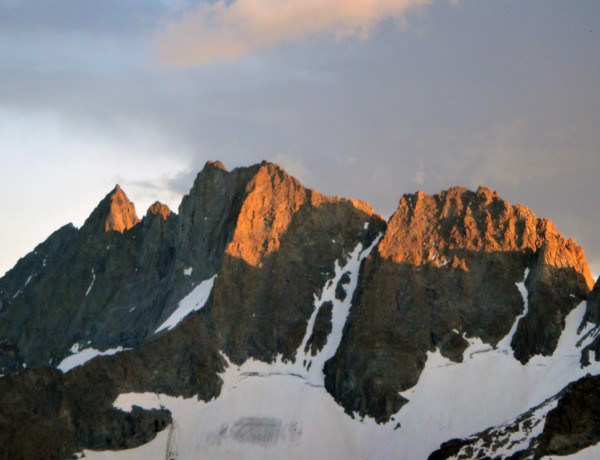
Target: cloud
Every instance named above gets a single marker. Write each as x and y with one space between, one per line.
228 30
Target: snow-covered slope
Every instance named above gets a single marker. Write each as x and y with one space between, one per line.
281 410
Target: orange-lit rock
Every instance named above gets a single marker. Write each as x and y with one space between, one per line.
435 229
159 209
121 214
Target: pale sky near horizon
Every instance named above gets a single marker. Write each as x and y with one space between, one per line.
368 99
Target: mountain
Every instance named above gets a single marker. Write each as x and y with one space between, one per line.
266 320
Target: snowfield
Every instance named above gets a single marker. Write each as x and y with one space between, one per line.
281 410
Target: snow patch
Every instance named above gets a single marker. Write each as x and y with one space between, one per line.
194 301
126 401
340 312
188 271
28 280
91 284
82 356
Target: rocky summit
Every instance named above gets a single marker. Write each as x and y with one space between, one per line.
266 320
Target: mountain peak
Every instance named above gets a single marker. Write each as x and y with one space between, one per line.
440 227
114 213
159 209
215 164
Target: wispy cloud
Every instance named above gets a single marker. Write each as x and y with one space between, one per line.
227 30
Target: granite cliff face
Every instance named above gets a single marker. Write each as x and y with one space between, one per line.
442 271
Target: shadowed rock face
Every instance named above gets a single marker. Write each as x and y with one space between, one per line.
446 269
575 422
97 288
321 330
592 315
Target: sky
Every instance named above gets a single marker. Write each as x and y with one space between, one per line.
368 99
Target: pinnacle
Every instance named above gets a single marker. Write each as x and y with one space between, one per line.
114 213
159 209
216 165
